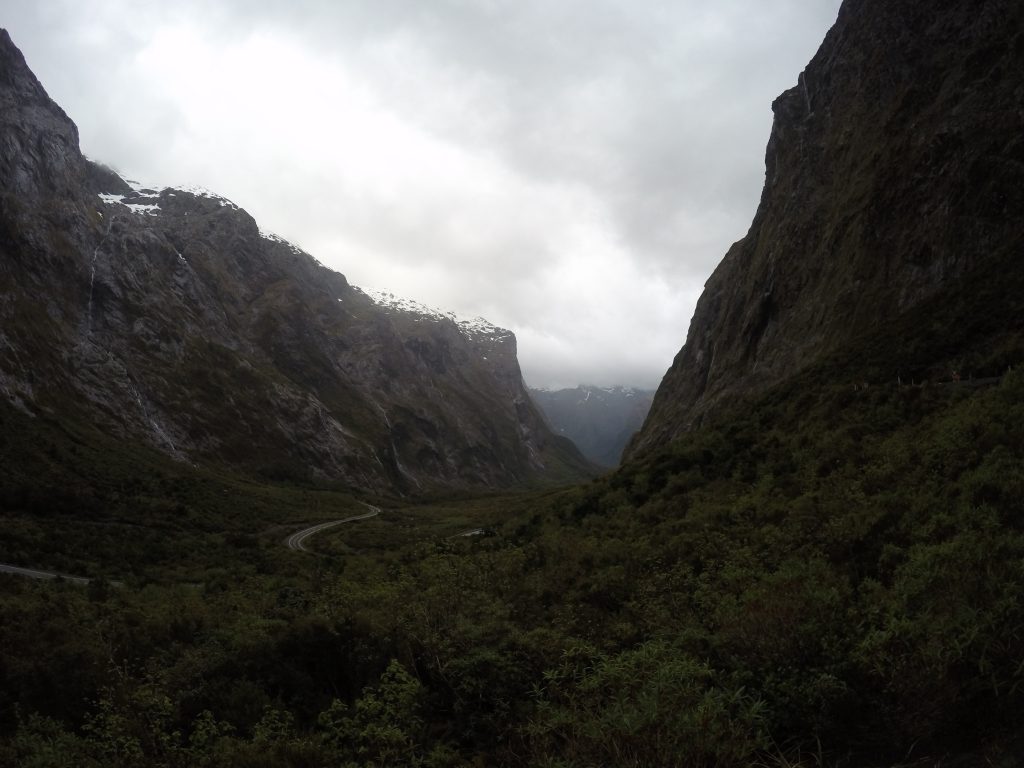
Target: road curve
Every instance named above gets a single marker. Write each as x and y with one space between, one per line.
298 539
34 574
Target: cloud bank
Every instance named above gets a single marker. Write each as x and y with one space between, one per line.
570 170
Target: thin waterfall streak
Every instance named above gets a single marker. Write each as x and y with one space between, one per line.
92 281
157 429
92 276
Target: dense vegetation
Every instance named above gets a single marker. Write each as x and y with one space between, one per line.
830 575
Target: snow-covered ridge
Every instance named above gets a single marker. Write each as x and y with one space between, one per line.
475 326
194 189
144 198
281 241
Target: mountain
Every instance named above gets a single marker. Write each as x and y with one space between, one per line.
599 420
166 318
892 206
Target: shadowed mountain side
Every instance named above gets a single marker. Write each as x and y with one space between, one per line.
895 170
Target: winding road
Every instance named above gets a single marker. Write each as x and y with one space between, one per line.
298 539
34 574
296 542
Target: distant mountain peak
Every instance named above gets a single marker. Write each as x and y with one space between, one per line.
600 420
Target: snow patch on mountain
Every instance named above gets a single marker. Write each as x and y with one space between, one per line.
281 241
134 207
145 198
471 327
194 189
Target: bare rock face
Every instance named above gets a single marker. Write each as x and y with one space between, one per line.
167 318
895 169
39 155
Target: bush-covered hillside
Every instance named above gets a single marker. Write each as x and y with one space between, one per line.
831 575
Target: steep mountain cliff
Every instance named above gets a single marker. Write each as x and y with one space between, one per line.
165 317
599 420
894 190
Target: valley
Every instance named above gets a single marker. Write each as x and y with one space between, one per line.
306 524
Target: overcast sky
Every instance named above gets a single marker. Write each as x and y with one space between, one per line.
572 170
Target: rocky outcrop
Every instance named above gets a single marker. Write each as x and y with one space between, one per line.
895 169
167 318
39 155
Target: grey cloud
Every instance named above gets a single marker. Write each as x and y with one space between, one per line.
642 122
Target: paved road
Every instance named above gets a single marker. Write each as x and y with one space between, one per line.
34 574
298 539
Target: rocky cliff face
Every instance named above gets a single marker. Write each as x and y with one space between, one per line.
599 420
894 170
168 318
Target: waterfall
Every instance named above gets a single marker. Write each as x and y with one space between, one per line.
158 430
92 280
92 276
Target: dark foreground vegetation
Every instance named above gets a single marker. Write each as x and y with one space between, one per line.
828 578
832 575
